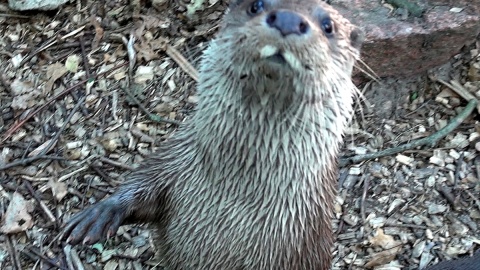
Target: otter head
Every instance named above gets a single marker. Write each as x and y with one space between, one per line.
283 50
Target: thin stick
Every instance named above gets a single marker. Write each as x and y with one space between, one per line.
366 187
150 115
117 164
44 207
431 140
35 255
182 62
13 254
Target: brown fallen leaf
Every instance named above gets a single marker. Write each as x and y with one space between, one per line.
384 241
54 72
17 218
383 257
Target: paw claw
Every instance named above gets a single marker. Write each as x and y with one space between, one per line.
86 240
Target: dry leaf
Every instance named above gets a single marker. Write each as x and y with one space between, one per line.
383 240
383 257
54 72
59 189
145 52
17 217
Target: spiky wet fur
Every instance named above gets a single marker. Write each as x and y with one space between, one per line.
249 181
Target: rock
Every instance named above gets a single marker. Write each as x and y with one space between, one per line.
22 5
396 45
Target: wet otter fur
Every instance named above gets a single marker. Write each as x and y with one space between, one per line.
249 181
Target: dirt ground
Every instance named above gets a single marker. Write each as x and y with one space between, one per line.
78 112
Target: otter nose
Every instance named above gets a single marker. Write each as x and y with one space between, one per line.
287 22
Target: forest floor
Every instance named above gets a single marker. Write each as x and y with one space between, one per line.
76 115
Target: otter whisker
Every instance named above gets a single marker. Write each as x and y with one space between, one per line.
368 71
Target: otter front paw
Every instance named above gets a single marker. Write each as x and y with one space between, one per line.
97 222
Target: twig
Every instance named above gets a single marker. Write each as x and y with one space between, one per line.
14 16
448 195
458 166
13 254
413 226
70 45
350 266
132 54
431 140
366 187
84 57
43 153
176 56
44 207
140 258
182 62
29 160
52 41
68 175
150 115
128 43
75 97
117 164
95 167
64 92
76 260
67 250
71 256
456 87
35 255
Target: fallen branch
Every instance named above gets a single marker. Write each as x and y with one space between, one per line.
431 140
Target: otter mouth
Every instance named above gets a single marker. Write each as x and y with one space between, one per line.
282 57
277 58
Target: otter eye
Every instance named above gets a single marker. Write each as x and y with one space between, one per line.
256 7
327 26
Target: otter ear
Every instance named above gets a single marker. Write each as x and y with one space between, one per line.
357 37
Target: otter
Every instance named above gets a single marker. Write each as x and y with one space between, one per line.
248 182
